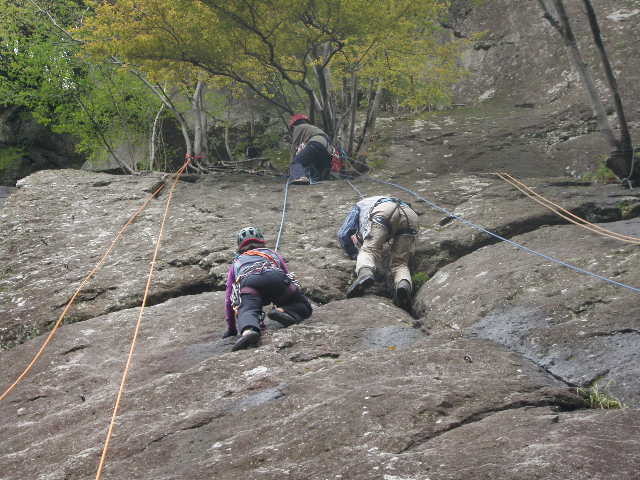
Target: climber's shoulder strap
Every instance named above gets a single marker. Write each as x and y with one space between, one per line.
254 268
265 255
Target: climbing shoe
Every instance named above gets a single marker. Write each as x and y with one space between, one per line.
301 181
282 317
365 279
249 338
402 295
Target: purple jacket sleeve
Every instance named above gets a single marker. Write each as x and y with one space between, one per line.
229 313
283 264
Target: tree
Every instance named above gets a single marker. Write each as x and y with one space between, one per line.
621 158
41 71
295 54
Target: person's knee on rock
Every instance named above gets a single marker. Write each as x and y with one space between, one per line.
369 226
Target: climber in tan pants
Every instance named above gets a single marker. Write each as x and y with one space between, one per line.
370 224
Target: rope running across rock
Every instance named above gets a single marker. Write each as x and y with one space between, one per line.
503 239
563 213
284 211
138 323
90 275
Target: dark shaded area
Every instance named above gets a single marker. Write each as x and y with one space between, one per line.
26 147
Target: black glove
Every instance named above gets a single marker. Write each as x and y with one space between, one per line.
230 333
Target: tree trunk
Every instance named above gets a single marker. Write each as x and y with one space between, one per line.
624 154
152 142
563 26
200 123
375 108
179 117
353 110
227 125
227 148
342 120
327 103
372 114
325 112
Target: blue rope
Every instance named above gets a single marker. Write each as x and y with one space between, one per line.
354 187
284 211
511 242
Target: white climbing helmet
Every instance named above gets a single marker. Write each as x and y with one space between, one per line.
248 235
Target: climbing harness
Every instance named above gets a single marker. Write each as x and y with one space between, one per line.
495 235
501 238
254 269
383 220
257 268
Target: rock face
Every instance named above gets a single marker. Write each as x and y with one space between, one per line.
480 382
520 64
578 327
356 391
521 57
4 193
361 390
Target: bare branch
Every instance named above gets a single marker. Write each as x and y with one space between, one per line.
54 22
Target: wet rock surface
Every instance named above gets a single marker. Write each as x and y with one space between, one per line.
578 327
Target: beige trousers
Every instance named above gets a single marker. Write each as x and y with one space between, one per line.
398 220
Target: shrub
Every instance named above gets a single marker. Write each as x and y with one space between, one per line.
10 157
602 174
418 279
599 398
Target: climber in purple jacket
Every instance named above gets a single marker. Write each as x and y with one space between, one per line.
257 277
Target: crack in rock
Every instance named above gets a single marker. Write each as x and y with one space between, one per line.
562 404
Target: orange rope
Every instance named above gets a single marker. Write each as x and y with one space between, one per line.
77 292
570 217
138 323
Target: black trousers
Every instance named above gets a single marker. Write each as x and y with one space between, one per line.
314 160
271 286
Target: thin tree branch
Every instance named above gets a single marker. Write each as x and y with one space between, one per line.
55 22
611 78
98 131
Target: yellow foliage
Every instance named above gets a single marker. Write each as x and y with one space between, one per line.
255 41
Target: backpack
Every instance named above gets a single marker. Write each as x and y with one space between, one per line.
338 157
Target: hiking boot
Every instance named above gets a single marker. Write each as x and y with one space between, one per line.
249 338
365 279
402 295
301 181
283 318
